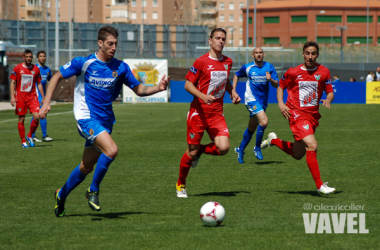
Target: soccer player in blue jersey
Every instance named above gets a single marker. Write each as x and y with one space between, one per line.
259 74
100 78
45 77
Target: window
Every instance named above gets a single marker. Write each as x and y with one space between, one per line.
181 6
250 40
231 42
329 19
48 4
108 18
108 6
250 20
221 6
241 5
118 2
271 19
119 14
231 18
327 39
221 18
133 15
271 40
240 30
133 3
240 18
144 15
155 15
22 7
299 19
359 19
143 3
90 14
359 39
33 3
299 39
231 6
155 3
240 42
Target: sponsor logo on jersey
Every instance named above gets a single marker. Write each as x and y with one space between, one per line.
317 77
306 126
102 82
283 78
226 66
114 73
193 69
192 135
67 65
210 67
13 73
328 81
91 131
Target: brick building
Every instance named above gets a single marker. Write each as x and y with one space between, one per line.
290 23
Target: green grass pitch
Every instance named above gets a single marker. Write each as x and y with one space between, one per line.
263 199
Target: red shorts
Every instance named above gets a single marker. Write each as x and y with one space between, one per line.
22 106
303 127
196 125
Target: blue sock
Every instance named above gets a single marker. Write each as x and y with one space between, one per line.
259 135
100 171
247 136
43 124
34 134
76 177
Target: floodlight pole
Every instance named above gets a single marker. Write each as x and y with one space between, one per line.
56 64
341 28
247 33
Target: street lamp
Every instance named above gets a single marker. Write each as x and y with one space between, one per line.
341 28
332 25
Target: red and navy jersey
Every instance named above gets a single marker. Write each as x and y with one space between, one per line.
25 81
305 88
210 77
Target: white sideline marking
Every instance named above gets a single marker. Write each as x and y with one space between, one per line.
30 117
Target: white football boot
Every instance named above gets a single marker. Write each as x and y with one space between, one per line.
325 190
181 191
267 143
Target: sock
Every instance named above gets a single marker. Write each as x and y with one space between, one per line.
34 134
21 131
33 127
247 136
43 124
209 149
184 168
100 171
312 163
259 135
75 178
285 146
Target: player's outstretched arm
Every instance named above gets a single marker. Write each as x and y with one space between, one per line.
49 93
231 90
12 89
280 99
143 90
329 98
190 87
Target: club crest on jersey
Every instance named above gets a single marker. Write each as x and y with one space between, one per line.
32 72
91 132
317 77
306 126
114 73
226 66
19 109
192 135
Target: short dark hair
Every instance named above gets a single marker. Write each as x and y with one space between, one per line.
106 31
40 52
310 44
216 30
27 51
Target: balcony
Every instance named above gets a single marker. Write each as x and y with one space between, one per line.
209 11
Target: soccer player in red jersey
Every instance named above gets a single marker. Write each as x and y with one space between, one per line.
207 81
305 85
24 95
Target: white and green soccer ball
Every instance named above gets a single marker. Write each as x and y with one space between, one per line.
212 214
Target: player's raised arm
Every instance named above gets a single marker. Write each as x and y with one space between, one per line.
143 90
49 93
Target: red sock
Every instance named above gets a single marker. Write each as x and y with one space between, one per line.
285 146
209 149
21 131
312 163
33 127
184 168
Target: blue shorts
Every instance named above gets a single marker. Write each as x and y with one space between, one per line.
91 128
254 108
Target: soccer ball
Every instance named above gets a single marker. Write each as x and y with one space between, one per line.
212 214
